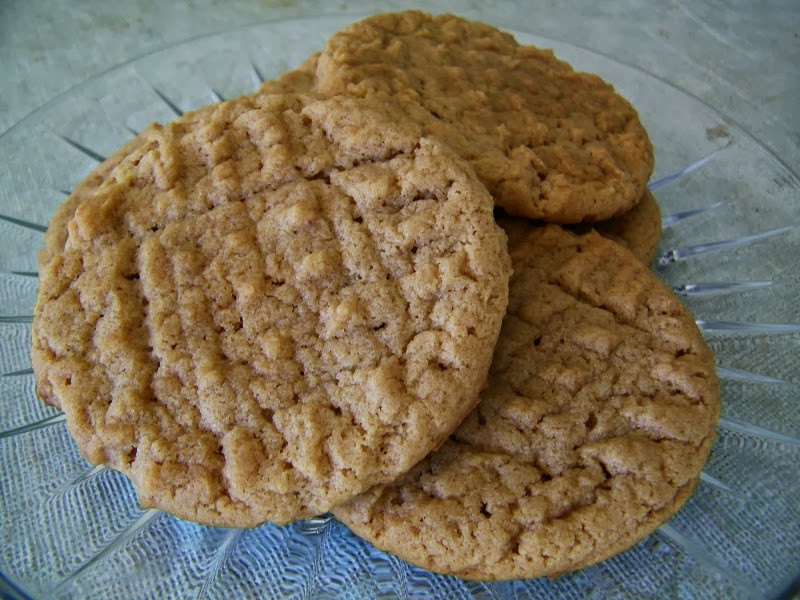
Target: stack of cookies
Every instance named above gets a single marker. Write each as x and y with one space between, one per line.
376 287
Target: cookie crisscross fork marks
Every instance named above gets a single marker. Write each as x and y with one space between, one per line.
213 342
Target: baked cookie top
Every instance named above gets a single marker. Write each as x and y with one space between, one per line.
262 313
548 142
56 235
599 414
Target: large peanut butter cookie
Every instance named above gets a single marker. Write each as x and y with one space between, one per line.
599 415
549 143
261 313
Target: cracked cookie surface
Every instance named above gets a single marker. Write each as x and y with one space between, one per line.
599 414
263 312
548 142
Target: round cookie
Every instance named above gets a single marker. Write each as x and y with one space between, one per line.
260 314
548 142
599 414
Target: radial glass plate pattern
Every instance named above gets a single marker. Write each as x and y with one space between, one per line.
729 249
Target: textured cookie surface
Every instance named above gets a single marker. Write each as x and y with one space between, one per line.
599 414
262 313
56 235
549 143
57 230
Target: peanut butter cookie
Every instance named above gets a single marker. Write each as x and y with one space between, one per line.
599 414
263 312
548 142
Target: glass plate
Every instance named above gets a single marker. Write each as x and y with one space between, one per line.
69 530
